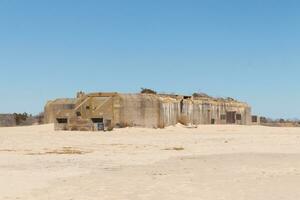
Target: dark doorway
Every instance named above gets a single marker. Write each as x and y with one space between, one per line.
230 117
98 124
213 121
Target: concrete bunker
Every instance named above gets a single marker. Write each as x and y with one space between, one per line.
104 111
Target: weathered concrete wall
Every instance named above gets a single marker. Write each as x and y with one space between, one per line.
94 107
139 110
209 111
152 111
169 112
55 108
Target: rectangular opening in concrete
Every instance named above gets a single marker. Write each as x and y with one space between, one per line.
97 120
78 114
213 121
254 119
238 117
98 124
230 117
62 120
68 106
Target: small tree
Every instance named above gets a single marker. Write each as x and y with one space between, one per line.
147 91
40 118
20 118
200 94
264 120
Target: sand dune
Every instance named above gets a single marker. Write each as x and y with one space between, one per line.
208 162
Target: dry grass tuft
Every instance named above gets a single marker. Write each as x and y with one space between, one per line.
175 149
7 150
63 151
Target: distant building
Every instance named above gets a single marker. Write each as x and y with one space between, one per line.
104 111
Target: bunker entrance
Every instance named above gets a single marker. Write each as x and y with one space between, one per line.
230 117
98 124
238 117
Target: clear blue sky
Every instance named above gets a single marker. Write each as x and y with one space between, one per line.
244 49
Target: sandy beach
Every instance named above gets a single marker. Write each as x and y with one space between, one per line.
220 162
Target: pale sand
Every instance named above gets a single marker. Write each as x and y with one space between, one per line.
210 162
